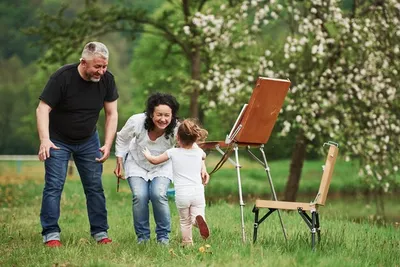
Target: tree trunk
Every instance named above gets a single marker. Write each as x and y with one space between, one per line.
195 75
380 203
296 166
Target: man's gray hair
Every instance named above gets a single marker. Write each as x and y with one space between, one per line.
94 49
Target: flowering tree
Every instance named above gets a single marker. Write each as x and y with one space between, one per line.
344 72
344 69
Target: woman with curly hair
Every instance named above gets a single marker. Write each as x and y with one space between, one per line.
155 129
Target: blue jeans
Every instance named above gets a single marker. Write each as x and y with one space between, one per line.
156 192
90 172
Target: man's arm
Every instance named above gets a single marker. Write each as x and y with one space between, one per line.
111 116
42 122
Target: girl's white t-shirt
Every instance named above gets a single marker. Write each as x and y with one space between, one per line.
186 166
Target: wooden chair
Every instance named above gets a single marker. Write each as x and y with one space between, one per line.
302 208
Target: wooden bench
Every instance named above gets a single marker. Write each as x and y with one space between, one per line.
302 208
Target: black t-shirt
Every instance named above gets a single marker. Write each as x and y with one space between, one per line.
76 103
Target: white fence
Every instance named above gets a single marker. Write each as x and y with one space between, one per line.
19 157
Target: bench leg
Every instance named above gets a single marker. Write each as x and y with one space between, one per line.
256 213
258 221
313 229
312 223
317 227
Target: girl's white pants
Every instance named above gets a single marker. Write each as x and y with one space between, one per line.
190 203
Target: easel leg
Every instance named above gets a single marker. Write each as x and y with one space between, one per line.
272 188
240 192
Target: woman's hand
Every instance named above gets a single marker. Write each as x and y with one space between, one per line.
119 168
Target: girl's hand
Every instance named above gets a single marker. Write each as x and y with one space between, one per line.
146 153
205 177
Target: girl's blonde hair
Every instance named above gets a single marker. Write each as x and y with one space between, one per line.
190 132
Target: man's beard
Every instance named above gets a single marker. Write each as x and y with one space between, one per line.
92 78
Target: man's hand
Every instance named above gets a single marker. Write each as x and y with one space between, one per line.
119 169
44 149
105 150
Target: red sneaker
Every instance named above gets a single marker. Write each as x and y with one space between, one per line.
53 243
104 241
201 223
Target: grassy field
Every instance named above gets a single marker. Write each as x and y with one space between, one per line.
349 237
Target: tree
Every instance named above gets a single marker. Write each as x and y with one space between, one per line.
201 38
344 70
14 16
14 104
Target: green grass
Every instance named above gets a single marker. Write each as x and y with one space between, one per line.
350 236
347 240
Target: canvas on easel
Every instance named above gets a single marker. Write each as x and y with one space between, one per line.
262 111
256 119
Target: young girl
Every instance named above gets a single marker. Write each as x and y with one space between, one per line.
187 163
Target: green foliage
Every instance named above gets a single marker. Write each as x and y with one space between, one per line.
158 62
14 105
14 16
158 67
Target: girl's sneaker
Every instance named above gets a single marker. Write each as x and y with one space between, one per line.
201 223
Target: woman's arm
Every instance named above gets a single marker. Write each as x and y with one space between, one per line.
124 138
155 159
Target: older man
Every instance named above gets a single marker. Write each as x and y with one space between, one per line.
67 114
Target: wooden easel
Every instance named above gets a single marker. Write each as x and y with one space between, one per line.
253 129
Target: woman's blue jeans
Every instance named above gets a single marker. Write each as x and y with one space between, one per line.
90 172
156 192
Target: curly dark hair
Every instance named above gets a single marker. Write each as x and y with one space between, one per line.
155 100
